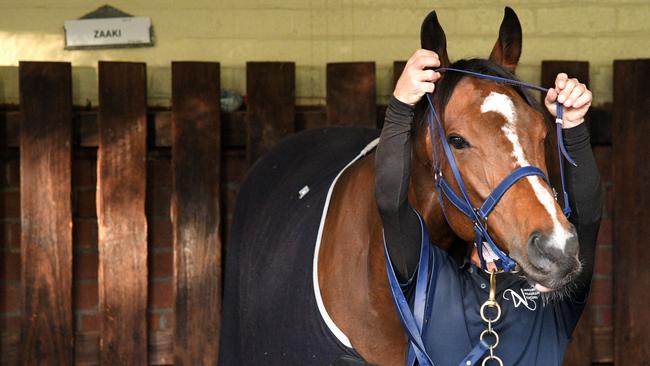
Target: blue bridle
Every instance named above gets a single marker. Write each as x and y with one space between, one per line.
479 215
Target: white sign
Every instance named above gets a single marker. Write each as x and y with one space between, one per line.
127 31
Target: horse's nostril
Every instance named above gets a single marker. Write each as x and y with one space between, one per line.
534 240
547 257
538 253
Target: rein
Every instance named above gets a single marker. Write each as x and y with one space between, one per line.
479 215
427 272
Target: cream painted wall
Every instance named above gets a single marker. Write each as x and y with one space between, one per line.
314 32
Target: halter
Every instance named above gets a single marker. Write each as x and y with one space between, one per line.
479 215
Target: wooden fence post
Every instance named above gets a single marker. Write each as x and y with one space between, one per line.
575 69
121 168
630 133
196 155
270 116
398 68
46 212
351 94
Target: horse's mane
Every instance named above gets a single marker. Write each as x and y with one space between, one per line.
450 79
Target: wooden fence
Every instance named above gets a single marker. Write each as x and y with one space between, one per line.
47 131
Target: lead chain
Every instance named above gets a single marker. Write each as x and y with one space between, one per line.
491 303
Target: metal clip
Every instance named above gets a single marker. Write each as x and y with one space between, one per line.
492 303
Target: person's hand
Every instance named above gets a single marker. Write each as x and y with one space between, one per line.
575 97
415 81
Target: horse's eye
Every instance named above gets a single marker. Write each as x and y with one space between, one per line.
457 142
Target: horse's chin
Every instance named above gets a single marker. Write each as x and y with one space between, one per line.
550 289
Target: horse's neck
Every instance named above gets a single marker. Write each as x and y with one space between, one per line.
424 197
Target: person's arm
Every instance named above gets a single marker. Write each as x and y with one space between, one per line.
583 182
393 163
586 199
392 173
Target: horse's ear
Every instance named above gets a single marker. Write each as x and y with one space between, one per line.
507 50
432 38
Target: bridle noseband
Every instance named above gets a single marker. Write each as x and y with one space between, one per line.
479 215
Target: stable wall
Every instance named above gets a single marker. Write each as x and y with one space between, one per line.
315 32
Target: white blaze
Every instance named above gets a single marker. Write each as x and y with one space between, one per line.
502 104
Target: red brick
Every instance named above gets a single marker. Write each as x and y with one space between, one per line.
601 291
602 348
230 192
602 316
10 324
159 321
12 234
85 265
160 233
85 296
161 295
85 233
90 323
603 156
153 321
11 178
235 167
166 320
609 203
9 298
160 172
84 173
158 201
9 266
11 205
84 205
162 264
605 232
603 264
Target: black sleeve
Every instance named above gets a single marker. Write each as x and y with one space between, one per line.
586 200
392 174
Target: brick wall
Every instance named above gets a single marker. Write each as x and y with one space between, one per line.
85 292
10 257
315 32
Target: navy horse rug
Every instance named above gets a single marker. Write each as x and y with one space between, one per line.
272 312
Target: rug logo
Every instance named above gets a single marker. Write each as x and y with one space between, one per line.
528 297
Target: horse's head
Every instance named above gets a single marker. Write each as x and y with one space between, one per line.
493 129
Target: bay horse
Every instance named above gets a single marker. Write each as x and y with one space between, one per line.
305 279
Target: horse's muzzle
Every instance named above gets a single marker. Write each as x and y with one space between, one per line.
555 264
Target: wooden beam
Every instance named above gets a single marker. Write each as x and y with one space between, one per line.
351 94
270 87
46 212
233 126
398 68
196 155
630 134
121 180
574 69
